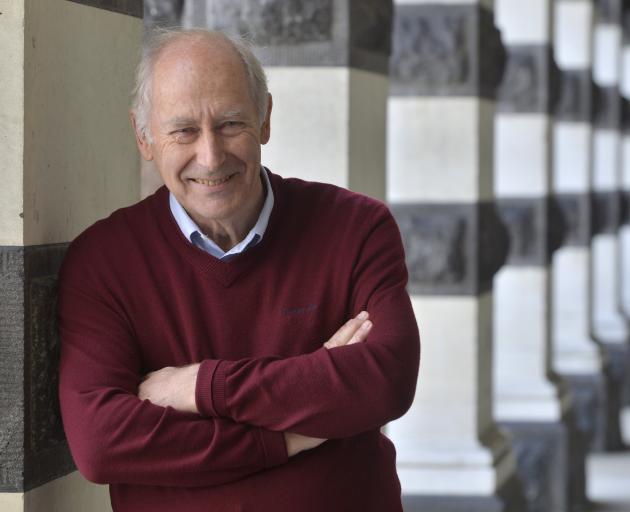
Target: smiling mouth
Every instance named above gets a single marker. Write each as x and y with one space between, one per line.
212 183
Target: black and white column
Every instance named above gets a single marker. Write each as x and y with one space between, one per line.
446 62
527 401
610 327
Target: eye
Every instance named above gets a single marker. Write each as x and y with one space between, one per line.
186 134
232 127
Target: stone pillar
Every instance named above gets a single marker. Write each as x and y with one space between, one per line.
529 401
609 325
575 354
68 158
447 60
624 232
327 65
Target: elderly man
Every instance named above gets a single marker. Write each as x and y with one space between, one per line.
208 363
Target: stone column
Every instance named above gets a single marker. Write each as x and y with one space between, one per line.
327 65
609 325
624 232
446 62
576 356
528 399
68 158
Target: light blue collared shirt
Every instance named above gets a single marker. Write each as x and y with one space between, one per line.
194 235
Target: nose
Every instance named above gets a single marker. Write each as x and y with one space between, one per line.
210 150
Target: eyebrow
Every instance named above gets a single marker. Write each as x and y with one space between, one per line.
180 121
187 121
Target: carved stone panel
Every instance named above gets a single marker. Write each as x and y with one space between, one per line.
34 449
45 445
530 81
625 207
438 50
353 33
11 368
625 115
608 11
607 108
575 101
536 228
451 249
274 22
576 210
162 12
606 211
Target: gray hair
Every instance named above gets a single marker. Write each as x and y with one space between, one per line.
159 39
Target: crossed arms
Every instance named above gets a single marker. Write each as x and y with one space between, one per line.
175 387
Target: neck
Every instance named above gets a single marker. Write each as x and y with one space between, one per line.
229 232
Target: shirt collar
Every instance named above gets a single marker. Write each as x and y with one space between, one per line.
193 233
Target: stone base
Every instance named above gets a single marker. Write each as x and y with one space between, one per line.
617 371
509 498
542 459
590 407
587 420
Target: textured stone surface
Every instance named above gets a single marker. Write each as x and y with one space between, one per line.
34 448
606 107
542 463
509 498
536 228
589 407
162 12
617 370
576 211
354 33
11 368
451 249
575 96
625 114
129 7
437 50
606 211
624 212
530 82
608 11
274 22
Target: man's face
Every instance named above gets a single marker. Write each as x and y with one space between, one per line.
206 132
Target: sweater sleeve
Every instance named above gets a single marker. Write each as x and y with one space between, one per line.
339 392
115 437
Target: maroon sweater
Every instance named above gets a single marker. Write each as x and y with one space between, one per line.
136 296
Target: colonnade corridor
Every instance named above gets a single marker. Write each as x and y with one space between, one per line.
498 134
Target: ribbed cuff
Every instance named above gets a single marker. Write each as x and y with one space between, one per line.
203 388
218 390
274 447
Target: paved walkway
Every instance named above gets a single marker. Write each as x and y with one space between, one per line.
609 476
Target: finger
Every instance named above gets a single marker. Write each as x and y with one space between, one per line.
362 333
346 331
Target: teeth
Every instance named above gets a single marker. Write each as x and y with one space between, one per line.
212 182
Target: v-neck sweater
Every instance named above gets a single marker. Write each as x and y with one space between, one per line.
136 296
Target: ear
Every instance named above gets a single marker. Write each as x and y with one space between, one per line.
265 129
144 147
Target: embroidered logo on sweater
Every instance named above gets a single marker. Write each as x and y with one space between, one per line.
299 311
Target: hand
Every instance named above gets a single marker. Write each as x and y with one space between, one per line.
354 330
174 387
297 443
